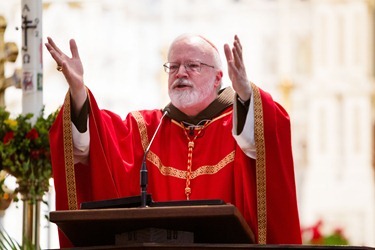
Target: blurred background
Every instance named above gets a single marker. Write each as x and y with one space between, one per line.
316 58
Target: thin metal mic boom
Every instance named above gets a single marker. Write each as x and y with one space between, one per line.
143 172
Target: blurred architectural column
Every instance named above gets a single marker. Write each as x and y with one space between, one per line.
339 185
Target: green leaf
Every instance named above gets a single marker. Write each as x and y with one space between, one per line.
7 242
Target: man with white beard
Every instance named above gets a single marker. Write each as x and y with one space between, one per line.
232 144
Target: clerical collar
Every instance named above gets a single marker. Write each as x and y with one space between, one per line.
223 101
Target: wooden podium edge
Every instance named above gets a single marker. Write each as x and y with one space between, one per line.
75 222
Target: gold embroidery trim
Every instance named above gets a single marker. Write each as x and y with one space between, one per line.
182 174
213 120
142 129
260 166
170 171
68 156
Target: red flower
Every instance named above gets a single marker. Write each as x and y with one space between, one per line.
34 154
32 134
8 137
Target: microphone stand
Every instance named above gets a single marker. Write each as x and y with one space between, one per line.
143 172
144 182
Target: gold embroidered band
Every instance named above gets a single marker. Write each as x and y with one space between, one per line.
171 171
182 174
68 156
142 129
260 166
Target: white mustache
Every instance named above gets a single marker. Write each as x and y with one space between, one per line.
181 81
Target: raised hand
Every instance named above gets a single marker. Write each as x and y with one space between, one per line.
236 69
72 69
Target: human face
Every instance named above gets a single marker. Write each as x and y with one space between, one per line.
192 91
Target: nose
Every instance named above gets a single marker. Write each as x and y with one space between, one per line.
181 73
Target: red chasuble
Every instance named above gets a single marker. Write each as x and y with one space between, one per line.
200 163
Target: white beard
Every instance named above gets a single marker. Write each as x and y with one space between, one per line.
190 97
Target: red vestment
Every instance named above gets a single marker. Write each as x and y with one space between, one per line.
263 190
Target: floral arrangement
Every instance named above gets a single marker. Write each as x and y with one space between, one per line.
6 194
313 236
25 152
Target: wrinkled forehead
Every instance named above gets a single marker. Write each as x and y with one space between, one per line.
191 48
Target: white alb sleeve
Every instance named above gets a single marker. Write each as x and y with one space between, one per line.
245 139
81 144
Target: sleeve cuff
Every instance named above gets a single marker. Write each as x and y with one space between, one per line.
245 137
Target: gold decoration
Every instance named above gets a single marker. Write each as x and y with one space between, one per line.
8 53
260 166
68 155
142 129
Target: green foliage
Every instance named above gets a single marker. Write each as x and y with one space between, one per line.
336 238
25 151
7 242
314 236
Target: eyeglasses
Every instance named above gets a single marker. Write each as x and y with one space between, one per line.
192 66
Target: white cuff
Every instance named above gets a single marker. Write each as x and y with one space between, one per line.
245 140
81 144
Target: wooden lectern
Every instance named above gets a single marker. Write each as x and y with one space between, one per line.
219 224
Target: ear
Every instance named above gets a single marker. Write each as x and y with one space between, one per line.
219 75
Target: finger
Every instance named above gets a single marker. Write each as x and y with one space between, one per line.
74 48
230 59
236 38
54 46
232 70
48 46
56 56
238 50
237 58
238 47
228 53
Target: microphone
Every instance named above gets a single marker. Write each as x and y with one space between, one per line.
143 172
